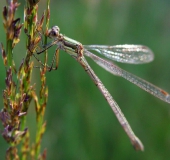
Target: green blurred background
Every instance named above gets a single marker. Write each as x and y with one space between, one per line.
80 123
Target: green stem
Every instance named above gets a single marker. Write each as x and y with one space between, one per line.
9 52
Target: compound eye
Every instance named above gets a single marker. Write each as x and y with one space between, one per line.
56 28
53 32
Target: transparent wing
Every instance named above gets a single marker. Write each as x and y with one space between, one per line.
134 54
112 68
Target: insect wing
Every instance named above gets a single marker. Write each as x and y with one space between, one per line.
134 54
114 69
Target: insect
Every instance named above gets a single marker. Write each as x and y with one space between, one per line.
134 54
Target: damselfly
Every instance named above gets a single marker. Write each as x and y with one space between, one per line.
134 54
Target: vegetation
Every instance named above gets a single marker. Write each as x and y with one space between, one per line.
79 123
